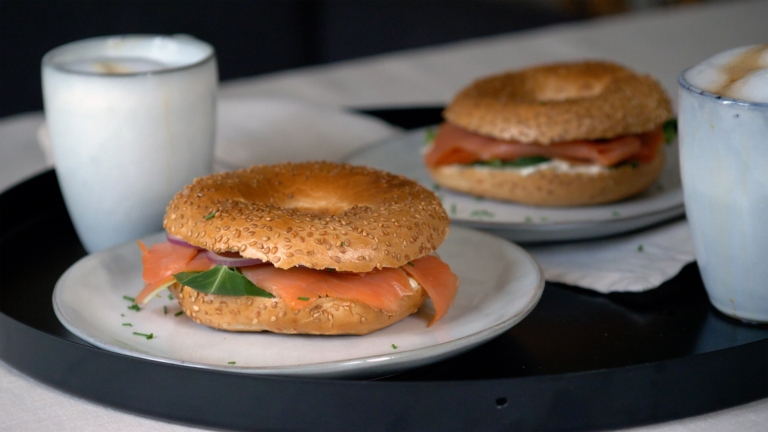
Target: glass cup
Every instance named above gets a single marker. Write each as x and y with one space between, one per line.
131 121
724 167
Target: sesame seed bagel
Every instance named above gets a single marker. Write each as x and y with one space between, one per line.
548 187
561 102
313 214
326 316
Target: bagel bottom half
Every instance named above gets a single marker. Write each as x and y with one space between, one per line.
325 316
548 187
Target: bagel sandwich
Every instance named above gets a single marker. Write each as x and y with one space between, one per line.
306 248
567 134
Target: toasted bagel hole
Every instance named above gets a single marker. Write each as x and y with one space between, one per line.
326 207
554 90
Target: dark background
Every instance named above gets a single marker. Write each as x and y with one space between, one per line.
260 36
251 37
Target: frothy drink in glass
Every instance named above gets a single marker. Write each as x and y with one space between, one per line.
723 126
131 120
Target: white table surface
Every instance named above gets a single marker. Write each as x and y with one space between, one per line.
661 42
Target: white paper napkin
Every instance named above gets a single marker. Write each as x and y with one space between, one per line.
628 263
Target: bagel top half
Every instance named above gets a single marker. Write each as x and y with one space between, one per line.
315 214
561 102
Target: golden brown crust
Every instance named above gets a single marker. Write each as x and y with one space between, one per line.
326 316
315 214
548 187
561 102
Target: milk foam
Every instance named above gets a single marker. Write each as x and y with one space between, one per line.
115 65
128 54
740 73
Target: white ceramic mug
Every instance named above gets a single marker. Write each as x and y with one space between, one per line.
723 128
131 121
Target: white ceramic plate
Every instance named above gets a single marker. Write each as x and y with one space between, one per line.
500 285
402 154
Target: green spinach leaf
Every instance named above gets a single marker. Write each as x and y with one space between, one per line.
221 280
515 163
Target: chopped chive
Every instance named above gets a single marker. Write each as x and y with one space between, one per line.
210 216
130 299
453 209
303 298
148 336
640 248
615 213
330 270
528 219
122 315
481 213
341 244
170 296
134 307
178 313
479 198
127 325
411 264
394 346
165 310
435 187
231 363
543 219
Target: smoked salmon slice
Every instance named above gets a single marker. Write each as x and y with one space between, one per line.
455 145
199 263
164 259
381 289
298 287
153 288
438 280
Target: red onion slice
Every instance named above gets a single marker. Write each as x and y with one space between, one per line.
180 242
231 259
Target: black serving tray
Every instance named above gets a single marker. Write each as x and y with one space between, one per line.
579 361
